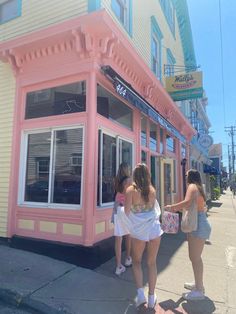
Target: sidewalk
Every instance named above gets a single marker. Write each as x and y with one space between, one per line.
50 286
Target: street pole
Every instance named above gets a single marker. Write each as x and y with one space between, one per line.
231 131
233 157
229 158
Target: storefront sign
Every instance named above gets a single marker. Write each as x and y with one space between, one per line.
185 86
139 103
205 140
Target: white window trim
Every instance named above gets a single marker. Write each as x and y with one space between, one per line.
22 173
157 57
125 6
117 137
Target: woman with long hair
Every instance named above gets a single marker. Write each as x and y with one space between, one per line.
196 239
122 181
143 212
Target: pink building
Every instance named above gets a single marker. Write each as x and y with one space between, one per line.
85 101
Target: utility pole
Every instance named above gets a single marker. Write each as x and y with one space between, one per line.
231 131
229 158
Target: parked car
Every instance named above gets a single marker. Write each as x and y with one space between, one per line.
65 192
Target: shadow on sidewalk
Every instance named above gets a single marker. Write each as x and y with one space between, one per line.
211 204
170 244
205 306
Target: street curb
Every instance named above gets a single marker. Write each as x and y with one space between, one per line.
11 297
20 301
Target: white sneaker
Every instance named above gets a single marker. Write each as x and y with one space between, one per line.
152 300
194 295
119 270
140 300
191 286
128 261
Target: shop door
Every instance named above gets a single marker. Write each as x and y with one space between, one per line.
155 175
167 181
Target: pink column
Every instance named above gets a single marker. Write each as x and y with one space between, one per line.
148 143
179 169
90 178
137 131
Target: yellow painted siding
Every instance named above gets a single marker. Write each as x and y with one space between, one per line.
40 14
72 229
48 226
7 97
100 227
141 31
26 224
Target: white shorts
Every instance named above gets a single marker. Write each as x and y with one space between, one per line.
145 226
120 227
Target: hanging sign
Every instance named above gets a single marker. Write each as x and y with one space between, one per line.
185 86
205 140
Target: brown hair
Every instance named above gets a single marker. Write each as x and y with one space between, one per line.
193 176
122 174
142 180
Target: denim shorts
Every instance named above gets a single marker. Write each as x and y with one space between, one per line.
203 227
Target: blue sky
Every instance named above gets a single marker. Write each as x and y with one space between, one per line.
205 23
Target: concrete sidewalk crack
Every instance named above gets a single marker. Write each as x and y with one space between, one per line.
50 282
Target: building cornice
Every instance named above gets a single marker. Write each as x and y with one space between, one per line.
94 36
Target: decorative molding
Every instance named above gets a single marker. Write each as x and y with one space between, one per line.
148 90
102 42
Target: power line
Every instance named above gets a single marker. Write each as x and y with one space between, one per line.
222 61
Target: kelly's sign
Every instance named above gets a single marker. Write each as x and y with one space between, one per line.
185 86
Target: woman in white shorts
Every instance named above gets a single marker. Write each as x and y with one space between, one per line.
143 212
122 181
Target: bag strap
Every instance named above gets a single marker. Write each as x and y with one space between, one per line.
194 201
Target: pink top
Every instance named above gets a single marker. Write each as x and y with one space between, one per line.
120 198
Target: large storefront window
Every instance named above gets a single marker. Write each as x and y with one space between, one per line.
113 150
170 143
126 152
143 131
58 100
183 151
153 136
113 109
54 167
143 157
161 141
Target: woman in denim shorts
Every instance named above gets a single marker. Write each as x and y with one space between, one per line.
196 239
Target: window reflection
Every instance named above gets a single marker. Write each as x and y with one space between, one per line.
153 137
37 168
143 131
58 100
109 150
65 172
170 143
113 109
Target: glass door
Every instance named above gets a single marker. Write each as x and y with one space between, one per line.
167 181
155 175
